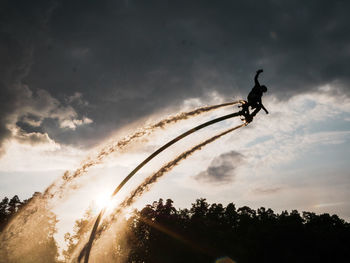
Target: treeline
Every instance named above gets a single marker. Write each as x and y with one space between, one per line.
8 208
215 233
37 245
206 233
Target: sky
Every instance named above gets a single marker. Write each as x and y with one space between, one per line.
78 75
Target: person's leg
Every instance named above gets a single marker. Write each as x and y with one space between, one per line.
256 108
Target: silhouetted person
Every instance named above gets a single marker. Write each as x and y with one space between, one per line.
254 99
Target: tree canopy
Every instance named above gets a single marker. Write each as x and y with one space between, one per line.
207 233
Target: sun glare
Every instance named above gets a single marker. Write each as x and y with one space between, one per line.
103 201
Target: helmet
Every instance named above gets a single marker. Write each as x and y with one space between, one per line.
263 88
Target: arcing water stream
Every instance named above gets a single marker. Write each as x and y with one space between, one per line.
23 226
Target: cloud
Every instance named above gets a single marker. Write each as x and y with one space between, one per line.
32 138
294 127
133 60
26 123
41 105
222 169
24 110
277 145
267 191
73 123
328 204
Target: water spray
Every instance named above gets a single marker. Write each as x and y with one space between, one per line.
149 181
18 225
54 190
86 250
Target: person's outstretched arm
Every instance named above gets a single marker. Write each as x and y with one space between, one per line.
256 77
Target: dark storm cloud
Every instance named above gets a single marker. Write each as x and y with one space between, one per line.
130 58
23 108
222 169
18 27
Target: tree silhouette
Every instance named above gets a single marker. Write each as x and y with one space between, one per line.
35 246
203 233
4 212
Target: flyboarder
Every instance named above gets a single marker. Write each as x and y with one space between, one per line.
254 99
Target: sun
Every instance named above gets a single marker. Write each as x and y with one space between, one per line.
103 200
